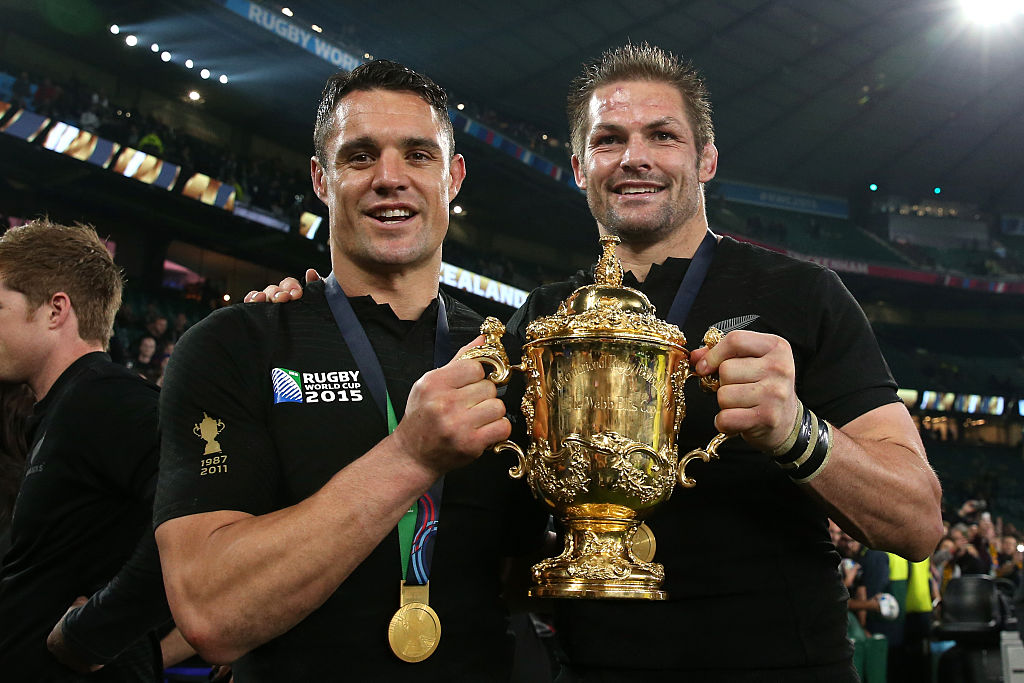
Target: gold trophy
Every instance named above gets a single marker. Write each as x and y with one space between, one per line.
603 404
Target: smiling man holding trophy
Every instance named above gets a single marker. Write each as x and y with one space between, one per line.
804 384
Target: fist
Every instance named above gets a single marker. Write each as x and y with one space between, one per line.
757 396
452 416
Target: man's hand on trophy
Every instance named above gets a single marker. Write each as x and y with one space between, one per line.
453 415
287 290
757 397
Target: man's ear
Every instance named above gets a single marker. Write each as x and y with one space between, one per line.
578 172
456 175
708 163
316 174
58 311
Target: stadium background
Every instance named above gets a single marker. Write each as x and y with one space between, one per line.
882 139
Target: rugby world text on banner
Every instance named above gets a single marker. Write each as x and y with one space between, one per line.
276 24
291 386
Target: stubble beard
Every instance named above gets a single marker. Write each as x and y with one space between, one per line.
378 255
648 229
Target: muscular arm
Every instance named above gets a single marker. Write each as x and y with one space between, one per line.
877 484
235 580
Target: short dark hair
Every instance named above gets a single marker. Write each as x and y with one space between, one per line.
42 258
643 62
380 74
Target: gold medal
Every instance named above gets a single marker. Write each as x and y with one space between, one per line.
414 631
644 544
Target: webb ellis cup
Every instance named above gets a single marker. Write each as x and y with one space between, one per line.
603 403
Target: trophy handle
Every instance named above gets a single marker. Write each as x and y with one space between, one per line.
519 469
492 352
706 454
710 384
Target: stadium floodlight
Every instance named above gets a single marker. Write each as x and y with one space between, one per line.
227 297
937 190
115 29
456 209
223 78
194 95
287 12
317 28
154 47
991 12
131 41
165 56
873 187
205 73
189 64
460 106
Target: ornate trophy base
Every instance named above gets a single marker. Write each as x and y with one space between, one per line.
598 559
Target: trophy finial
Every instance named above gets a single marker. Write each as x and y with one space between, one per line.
609 268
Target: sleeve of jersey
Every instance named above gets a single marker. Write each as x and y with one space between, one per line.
216 450
844 374
124 610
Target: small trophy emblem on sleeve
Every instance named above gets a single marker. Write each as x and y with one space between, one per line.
207 430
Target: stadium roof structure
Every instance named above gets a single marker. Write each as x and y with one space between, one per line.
822 97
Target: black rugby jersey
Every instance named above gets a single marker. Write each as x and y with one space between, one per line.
750 570
279 392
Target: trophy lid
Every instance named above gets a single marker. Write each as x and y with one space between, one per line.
606 308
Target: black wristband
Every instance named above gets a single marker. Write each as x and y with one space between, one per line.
818 457
803 440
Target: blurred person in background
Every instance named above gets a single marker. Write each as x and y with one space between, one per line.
157 328
944 566
970 511
80 587
145 355
1009 560
986 541
180 326
965 553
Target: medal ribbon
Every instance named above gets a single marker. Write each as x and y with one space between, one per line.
418 526
692 280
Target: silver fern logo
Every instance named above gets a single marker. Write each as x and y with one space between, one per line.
287 385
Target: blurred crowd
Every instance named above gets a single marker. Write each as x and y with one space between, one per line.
902 601
266 183
144 342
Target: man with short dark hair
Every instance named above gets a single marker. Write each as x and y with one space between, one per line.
81 523
824 433
287 469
